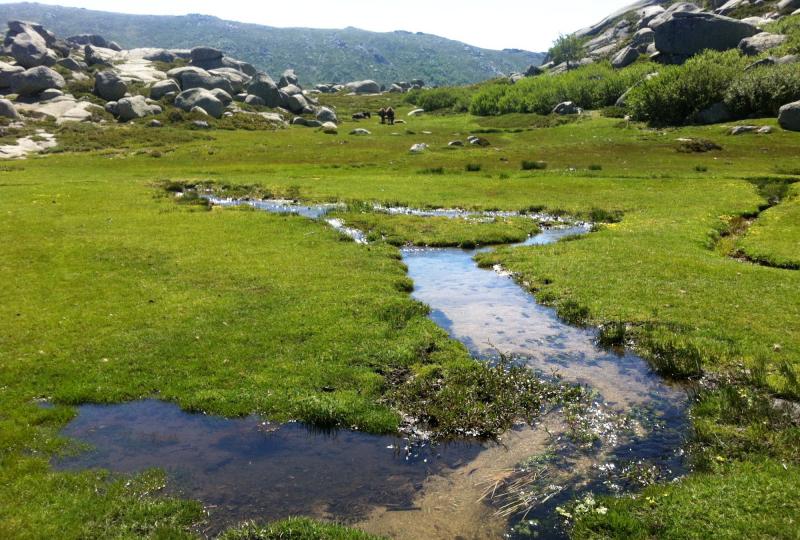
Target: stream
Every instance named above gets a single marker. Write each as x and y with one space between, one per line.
248 468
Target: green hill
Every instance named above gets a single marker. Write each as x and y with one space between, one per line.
316 55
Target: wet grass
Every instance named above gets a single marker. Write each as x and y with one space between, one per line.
113 292
295 529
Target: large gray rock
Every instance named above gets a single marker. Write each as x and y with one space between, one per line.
7 110
7 71
205 54
162 55
130 108
625 57
645 37
291 89
788 6
193 79
71 64
162 88
678 7
265 88
109 86
29 47
789 116
34 80
98 56
253 100
297 103
684 34
288 77
324 114
364 87
89 39
222 95
202 98
177 73
237 78
761 42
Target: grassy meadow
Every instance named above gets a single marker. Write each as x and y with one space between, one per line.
113 290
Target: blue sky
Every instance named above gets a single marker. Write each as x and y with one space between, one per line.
494 24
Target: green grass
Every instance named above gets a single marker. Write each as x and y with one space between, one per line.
113 291
440 231
740 500
774 239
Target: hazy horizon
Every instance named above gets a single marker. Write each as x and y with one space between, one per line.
514 24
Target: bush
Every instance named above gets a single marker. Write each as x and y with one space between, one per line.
590 87
456 99
763 90
533 165
566 48
678 93
473 167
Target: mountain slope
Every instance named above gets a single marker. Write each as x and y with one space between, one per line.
316 55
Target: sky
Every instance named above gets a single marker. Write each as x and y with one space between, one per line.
492 24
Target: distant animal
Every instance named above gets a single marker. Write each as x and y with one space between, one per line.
363 115
390 116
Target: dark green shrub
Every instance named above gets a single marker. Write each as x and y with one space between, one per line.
763 90
590 87
533 165
473 167
455 99
678 93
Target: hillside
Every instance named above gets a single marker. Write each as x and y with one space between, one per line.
317 55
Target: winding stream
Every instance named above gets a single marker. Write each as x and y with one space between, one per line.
251 469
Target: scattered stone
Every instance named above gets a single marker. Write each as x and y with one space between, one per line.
788 6
417 112
205 54
533 71
199 78
739 130
237 79
109 86
27 145
360 131
98 56
201 124
455 143
111 108
478 141
764 130
305 122
419 148
89 39
789 116
154 123
330 128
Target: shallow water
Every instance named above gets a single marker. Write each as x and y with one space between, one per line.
248 469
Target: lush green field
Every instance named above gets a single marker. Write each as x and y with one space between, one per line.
774 239
112 291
